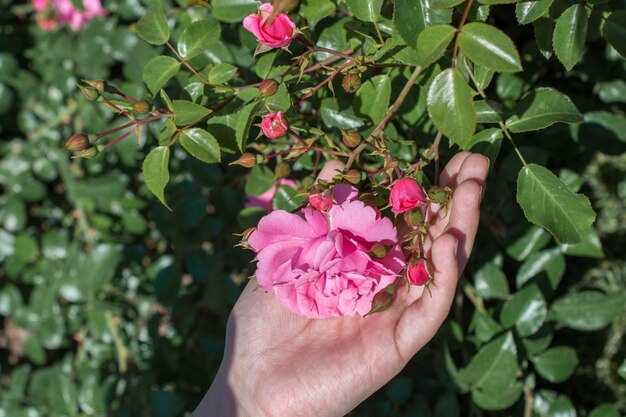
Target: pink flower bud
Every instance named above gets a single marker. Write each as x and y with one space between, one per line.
406 194
276 34
77 142
321 201
247 160
275 125
418 274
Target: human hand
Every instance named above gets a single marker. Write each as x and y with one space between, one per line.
280 364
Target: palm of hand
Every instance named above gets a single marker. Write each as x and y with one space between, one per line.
327 367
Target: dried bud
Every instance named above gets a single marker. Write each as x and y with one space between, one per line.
268 88
77 142
438 194
352 176
414 218
382 300
283 170
284 6
351 139
97 85
86 153
141 107
90 94
351 82
247 160
379 251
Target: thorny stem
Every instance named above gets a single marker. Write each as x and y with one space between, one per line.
185 63
326 81
134 122
305 149
124 136
383 123
458 30
528 404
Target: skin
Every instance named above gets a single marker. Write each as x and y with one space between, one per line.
279 364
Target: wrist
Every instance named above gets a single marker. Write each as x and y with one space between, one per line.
220 400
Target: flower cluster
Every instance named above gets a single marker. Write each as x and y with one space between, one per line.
52 13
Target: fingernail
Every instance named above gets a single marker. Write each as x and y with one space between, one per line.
482 192
456 246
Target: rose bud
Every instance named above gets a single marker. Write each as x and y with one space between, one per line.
351 139
77 142
285 5
418 274
438 194
406 194
90 94
87 153
141 107
247 160
97 85
276 34
321 201
275 125
382 300
351 82
268 88
353 176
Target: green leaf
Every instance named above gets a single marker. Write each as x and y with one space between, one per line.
198 37
244 122
411 17
542 108
556 364
526 310
615 31
489 47
613 91
570 33
491 283
529 11
550 261
152 27
492 374
549 203
432 43
155 171
222 73
482 77
286 198
281 101
488 111
605 410
451 107
333 116
443 4
622 370
485 326
374 97
365 10
188 112
587 310
498 1
530 242
260 180
544 32
233 11
315 10
590 247
201 144
158 71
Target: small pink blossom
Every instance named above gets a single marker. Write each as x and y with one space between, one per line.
64 12
406 194
418 273
318 263
275 125
276 34
264 200
321 201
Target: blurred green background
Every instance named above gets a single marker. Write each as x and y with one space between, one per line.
110 305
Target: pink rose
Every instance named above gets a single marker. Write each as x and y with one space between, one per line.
75 18
318 263
321 201
277 34
40 5
418 273
264 200
406 194
275 125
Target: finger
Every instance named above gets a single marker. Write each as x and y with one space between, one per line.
452 168
464 217
421 320
475 167
331 169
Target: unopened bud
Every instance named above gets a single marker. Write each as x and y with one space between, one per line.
268 88
307 182
351 82
283 170
414 218
247 160
353 176
77 142
382 300
351 138
141 107
321 201
438 194
284 6
90 94
87 153
97 85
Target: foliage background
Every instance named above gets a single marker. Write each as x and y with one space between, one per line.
112 305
